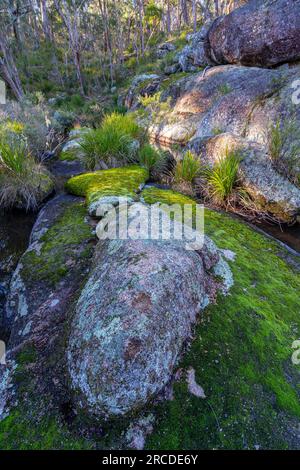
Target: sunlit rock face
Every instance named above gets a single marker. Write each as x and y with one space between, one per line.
261 33
245 103
132 319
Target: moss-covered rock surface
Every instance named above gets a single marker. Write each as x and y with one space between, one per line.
241 351
108 185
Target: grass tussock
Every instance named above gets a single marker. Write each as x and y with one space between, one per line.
222 178
153 160
186 171
114 140
23 181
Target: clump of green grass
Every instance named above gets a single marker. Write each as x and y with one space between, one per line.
225 89
223 177
284 147
276 141
22 180
113 140
155 161
124 123
187 169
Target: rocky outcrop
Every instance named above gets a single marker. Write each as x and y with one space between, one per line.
142 85
42 290
193 55
164 49
133 317
247 103
261 33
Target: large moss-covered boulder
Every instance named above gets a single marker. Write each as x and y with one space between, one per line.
260 33
108 186
133 318
52 266
42 289
242 350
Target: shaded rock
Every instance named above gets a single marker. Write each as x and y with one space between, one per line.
164 49
193 55
142 85
42 289
171 69
260 33
15 228
51 269
132 319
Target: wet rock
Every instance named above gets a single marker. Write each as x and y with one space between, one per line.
43 282
42 290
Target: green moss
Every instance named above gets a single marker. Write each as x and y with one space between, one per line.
59 245
241 352
69 155
17 431
225 89
152 195
114 182
27 355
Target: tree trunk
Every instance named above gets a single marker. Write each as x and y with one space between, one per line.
71 23
8 69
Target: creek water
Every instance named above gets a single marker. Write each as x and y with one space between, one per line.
15 229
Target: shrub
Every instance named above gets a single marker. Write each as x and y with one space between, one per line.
223 177
28 122
23 182
187 169
64 120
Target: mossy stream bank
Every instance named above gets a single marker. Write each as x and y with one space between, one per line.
241 353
